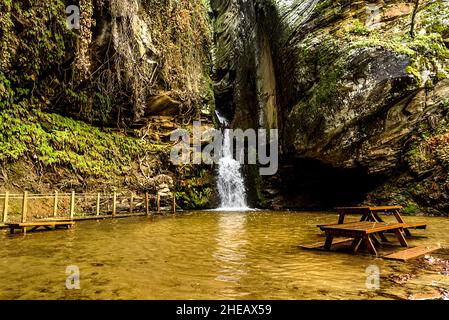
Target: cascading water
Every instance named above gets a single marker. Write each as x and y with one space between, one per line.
230 183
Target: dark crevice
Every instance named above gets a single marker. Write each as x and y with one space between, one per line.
310 184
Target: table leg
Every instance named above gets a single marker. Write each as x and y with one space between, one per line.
398 217
376 217
356 244
369 217
383 237
365 216
370 245
401 238
341 218
375 240
328 243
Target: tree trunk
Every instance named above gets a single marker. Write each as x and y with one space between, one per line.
415 11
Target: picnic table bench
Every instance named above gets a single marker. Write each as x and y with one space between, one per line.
372 214
39 224
362 232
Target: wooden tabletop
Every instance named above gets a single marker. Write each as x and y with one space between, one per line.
350 208
385 208
374 208
39 223
365 227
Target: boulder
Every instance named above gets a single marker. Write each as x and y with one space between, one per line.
162 105
357 85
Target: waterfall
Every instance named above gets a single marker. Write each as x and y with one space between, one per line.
230 182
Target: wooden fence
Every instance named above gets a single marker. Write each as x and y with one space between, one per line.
28 207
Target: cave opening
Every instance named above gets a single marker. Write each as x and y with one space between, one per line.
312 185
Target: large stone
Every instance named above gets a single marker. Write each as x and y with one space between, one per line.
162 105
353 88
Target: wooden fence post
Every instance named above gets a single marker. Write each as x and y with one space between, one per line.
131 200
98 204
55 204
147 204
174 203
24 206
158 202
114 204
5 207
72 205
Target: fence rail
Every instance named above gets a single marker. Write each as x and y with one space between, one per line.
26 207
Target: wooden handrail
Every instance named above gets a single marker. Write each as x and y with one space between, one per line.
77 205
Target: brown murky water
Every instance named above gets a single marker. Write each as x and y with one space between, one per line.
200 255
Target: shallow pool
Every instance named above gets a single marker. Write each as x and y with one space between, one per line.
201 255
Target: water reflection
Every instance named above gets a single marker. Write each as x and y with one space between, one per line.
230 254
201 255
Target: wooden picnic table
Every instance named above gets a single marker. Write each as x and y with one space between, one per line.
372 214
39 224
363 231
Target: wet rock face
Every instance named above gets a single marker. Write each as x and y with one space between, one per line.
358 83
359 92
244 67
349 80
146 58
334 123
234 60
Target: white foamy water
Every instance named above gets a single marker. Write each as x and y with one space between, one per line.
222 119
230 182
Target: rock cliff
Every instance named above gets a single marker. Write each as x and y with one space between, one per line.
361 96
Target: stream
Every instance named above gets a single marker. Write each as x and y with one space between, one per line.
202 255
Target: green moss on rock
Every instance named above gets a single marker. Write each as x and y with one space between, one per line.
54 140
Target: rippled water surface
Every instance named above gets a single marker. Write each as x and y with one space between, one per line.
198 255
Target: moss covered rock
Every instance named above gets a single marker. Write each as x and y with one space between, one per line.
351 85
75 104
355 82
360 82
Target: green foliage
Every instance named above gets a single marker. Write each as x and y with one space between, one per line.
435 17
194 197
446 104
330 73
54 140
326 4
426 52
411 209
431 149
34 42
195 189
182 31
359 28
